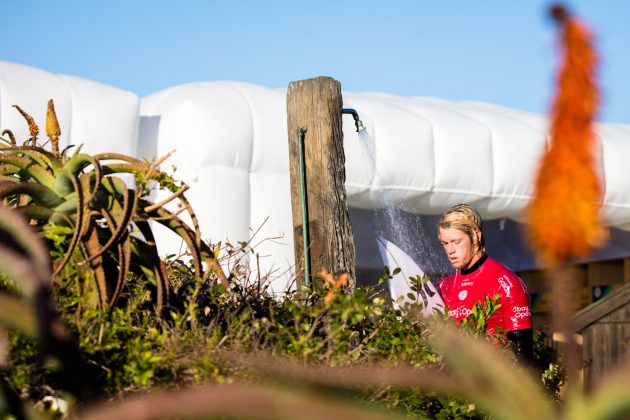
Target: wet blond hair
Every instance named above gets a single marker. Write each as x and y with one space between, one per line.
465 218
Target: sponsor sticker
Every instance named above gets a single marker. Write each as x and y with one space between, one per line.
461 312
521 312
506 284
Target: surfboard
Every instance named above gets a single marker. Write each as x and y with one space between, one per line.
400 285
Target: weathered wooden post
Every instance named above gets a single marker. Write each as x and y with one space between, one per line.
314 121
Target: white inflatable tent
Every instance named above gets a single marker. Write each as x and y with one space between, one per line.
418 157
102 118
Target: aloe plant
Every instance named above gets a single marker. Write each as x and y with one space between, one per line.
109 222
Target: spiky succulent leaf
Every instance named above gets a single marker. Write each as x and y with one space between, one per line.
78 227
39 193
63 183
28 170
35 212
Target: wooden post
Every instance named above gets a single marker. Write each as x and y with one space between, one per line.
315 105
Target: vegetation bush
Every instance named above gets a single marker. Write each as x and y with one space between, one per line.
137 323
134 351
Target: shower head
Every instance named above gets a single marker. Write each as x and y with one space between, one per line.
357 122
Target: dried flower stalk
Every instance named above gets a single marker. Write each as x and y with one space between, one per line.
32 126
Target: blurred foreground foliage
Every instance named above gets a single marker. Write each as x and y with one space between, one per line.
227 337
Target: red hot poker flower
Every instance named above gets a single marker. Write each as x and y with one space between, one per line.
564 215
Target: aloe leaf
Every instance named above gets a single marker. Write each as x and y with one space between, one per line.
69 205
27 149
124 261
125 164
118 156
78 162
193 219
64 184
96 252
175 224
78 228
17 313
61 219
74 168
35 211
114 185
148 252
7 143
124 168
77 150
92 246
89 184
91 181
39 193
120 217
8 169
122 163
35 172
41 156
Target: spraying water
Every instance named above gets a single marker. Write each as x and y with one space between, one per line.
397 223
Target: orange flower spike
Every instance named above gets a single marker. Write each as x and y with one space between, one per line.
329 280
343 280
329 297
333 285
564 215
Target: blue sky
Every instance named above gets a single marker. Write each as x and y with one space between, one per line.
498 51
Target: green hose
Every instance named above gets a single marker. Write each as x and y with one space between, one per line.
307 261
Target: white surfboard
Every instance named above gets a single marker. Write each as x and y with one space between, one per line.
400 285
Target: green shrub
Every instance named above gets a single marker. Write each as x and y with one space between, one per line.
105 292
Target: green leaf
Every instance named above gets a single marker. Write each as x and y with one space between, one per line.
35 211
40 194
35 172
78 162
120 216
69 206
